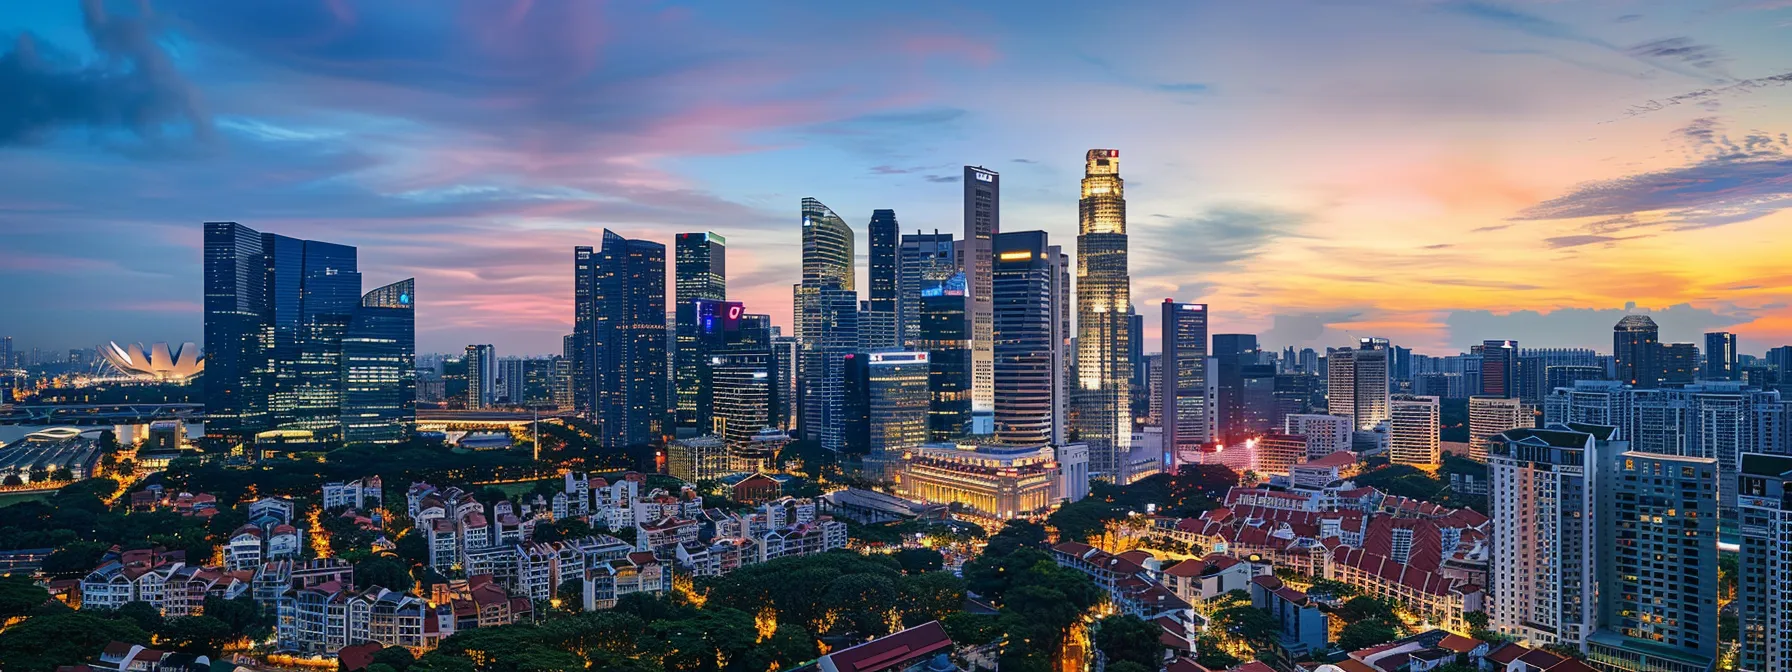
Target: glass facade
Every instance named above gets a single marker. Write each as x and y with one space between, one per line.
379 366
1101 415
945 337
700 274
619 340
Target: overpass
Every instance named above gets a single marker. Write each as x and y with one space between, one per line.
99 414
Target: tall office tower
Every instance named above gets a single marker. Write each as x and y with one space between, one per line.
510 379
1720 356
1231 354
482 374
236 398
1140 404
1657 593
379 366
1326 434
827 323
6 353
743 391
1401 371
921 260
619 329
1488 417
1294 393
786 352
1499 368
877 314
945 338
888 398
982 221
1763 596
1029 339
700 273
1413 432
1257 402
1779 358
581 345
1187 414
454 382
1679 363
1636 345
1103 292
312 288
1154 382
1308 362
1544 560
1357 383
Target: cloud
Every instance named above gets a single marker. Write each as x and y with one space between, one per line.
1684 50
1627 18
134 87
1490 227
1300 329
1735 182
1185 87
1671 54
1439 246
1559 242
1023 161
942 179
1711 95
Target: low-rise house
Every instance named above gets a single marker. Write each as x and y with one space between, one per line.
1207 578
1303 627
635 573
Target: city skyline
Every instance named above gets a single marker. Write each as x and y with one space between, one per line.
1448 232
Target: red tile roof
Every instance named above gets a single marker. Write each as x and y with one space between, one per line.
892 651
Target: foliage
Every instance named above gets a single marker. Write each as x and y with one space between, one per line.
917 560
1194 489
396 657
968 629
385 572
1364 634
243 615
1248 625
1129 639
1128 666
19 595
45 641
1367 608
928 596
1211 655
75 560
142 614
416 460
198 635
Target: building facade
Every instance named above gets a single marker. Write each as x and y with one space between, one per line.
1187 412
1032 337
1102 401
827 323
700 272
1414 437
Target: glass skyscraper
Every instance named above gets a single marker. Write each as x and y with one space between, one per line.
982 221
1186 411
1031 337
379 366
1103 296
236 357
700 273
922 259
945 337
877 319
619 339
827 323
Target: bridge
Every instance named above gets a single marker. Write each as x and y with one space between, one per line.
99 414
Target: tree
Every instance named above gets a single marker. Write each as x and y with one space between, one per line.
1129 639
242 615
19 595
108 441
1211 655
44 642
928 597
198 635
1367 608
571 594
1249 625
396 657
384 572
1364 634
917 560
861 603
970 629
62 475
1128 666
413 548
142 614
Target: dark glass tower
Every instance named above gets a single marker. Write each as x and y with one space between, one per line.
1721 358
1030 341
236 358
1499 369
379 366
623 348
1140 403
1636 346
921 260
883 235
1185 412
826 306
945 336
1232 353
700 273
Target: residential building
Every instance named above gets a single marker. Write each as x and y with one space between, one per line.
1636 347
1658 597
1721 357
1763 595
1326 434
1357 383
1414 437
1545 537
1488 417
1499 368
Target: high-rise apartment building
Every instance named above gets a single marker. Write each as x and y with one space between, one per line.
1499 368
1679 363
1658 596
921 260
1543 500
1187 413
1032 338
482 376
827 323
379 366
1357 383
1104 291
1721 356
1488 417
700 273
620 339
1413 431
1326 434
1636 345
945 337
982 222
1780 359
1763 595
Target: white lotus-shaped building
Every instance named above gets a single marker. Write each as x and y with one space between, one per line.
157 363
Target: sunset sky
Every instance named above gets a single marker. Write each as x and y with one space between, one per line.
1436 173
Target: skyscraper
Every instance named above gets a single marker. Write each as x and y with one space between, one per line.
1763 596
1488 418
482 372
1636 344
1104 290
1721 356
1140 404
379 366
982 221
887 401
619 331
236 357
786 353
1186 412
1658 595
1679 363
1499 368
877 317
1413 431
827 323
1357 383
1030 339
921 259
945 338
1231 354
1545 541
700 272
6 353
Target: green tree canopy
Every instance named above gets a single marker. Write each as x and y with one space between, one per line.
1130 640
